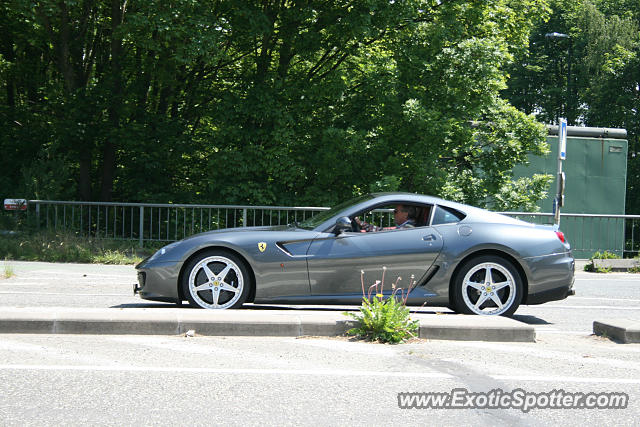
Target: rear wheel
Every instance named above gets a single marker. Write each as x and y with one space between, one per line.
487 285
216 280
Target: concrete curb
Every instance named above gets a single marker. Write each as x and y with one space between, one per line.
291 323
616 264
475 328
623 330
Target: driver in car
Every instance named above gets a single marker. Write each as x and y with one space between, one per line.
403 216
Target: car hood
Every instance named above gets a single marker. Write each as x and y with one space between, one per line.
244 240
262 229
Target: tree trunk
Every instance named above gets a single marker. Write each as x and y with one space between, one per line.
84 176
109 148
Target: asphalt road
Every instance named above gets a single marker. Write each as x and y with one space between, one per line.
160 380
151 380
598 296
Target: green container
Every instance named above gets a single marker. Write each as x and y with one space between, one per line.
595 183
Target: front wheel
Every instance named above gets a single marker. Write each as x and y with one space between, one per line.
216 280
487 285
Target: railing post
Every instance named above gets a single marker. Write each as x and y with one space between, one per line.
141 233
244 217
38 214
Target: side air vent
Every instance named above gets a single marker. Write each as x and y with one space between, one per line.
432 272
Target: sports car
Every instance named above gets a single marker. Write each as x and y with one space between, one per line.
469 259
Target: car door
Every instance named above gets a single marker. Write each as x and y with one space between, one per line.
335 262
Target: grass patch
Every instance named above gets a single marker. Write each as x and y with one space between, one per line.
67 247
8 271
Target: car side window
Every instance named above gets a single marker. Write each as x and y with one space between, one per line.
383 217
445 215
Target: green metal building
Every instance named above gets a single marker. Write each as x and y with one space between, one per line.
596 176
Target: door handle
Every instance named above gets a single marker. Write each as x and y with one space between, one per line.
429 238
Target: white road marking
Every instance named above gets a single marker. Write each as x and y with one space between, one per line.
599 307
22 347
606 299
66 294
52 352
58 277
550 354
233 371
558 331
88 282
559 379
307 372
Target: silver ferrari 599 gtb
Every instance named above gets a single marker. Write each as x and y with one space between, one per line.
472 260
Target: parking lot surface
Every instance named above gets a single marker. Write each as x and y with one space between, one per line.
154 379
598 296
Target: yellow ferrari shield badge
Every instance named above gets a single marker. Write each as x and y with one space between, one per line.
262 246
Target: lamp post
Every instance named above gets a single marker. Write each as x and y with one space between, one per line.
558 202
562 131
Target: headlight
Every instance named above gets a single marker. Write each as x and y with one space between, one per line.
163 251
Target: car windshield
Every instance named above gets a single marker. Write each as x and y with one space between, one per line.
321 217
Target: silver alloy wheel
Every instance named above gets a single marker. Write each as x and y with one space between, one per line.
216 282
489 288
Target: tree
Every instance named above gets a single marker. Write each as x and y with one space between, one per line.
267 102
604 89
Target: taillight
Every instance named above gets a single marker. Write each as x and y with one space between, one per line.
560 235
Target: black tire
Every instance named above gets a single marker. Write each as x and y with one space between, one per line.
216 279
475 293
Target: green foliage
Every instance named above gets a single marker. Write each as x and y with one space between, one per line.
58 247
604 255
604 89
383 319
600 255
386 183
522 194
264 102
115 257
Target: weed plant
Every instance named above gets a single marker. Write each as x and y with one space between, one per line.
8 271
383 319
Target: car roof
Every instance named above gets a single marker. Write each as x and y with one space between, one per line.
472 214
410 197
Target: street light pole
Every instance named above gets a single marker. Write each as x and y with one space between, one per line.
558 202
571 120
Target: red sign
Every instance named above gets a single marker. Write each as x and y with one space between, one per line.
15 204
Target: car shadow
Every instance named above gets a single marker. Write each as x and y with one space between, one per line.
150 305
530 320
524 318
270 307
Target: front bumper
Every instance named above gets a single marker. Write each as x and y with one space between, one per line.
137 287
158 281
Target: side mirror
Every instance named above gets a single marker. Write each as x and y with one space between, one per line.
342 224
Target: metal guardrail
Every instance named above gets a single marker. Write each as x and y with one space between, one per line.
590 233
157 222
587 233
